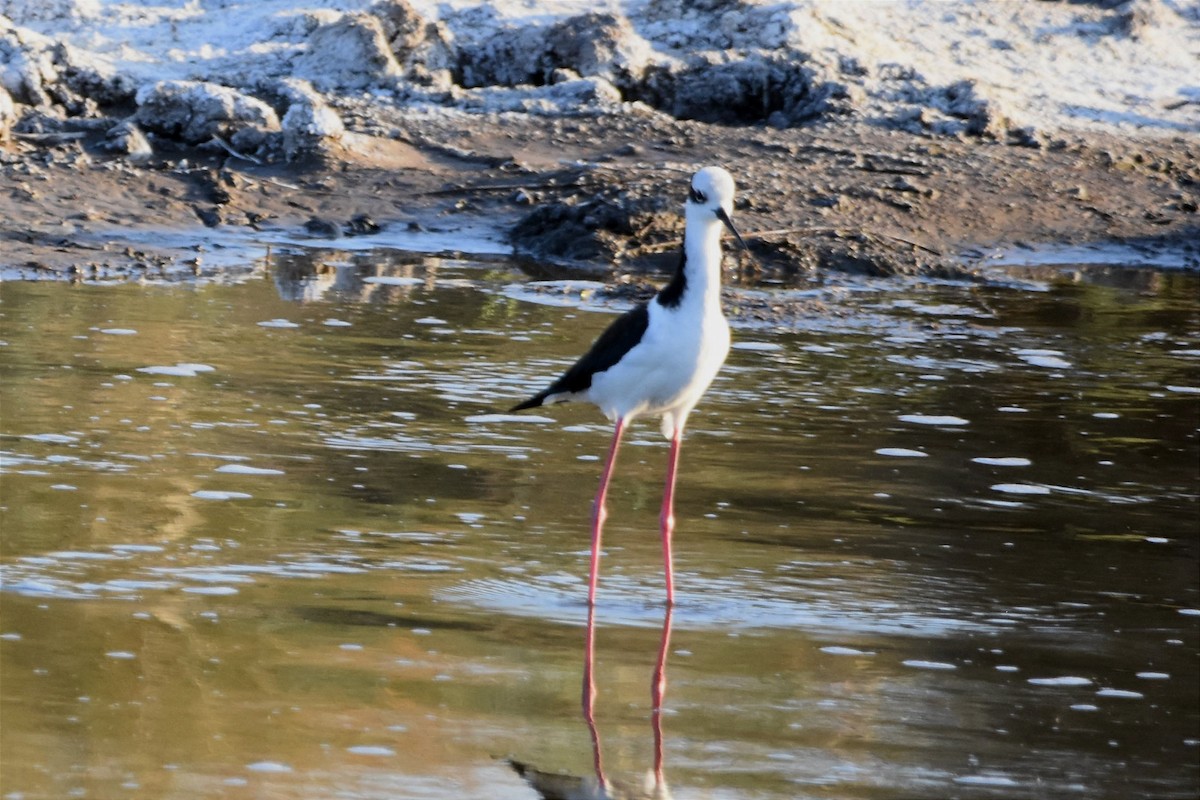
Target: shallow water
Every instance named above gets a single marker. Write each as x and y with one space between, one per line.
280 540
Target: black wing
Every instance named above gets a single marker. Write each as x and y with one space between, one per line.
618 339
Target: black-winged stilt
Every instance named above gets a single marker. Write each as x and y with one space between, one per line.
660 357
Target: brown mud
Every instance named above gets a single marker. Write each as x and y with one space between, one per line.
602 195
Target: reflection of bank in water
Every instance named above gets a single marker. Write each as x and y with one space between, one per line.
311 275
370 276
564 786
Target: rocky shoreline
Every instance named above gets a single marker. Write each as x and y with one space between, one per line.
573 141
601 195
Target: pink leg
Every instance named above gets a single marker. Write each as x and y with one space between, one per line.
598 511
667 519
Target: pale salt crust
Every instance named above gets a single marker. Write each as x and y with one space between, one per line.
1051 66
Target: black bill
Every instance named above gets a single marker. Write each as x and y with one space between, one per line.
721 215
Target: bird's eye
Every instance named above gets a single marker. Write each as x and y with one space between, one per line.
698 196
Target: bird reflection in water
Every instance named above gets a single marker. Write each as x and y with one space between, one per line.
560 786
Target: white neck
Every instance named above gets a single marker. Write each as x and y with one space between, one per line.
703 247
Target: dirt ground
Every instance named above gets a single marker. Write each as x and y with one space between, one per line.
603 194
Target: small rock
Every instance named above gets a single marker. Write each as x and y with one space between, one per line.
310 125
8 114
363 225
348 53
421 47
600 45
195 111
127 139
325 228
211 217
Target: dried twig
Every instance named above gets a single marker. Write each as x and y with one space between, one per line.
50 138
229 149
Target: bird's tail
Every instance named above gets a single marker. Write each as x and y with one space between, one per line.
532 402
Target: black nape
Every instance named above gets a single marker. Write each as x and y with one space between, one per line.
672 294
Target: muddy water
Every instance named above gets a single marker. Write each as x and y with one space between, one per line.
278 540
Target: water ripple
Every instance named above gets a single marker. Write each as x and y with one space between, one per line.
708 604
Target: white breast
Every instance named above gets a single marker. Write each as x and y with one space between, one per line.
670 369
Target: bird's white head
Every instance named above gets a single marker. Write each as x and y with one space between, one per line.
712 196
712 189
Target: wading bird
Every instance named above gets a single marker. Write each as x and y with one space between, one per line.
660 357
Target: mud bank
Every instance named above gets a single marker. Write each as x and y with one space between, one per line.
567 138
602 195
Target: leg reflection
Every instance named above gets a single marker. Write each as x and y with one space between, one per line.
657 788
658 691
589 694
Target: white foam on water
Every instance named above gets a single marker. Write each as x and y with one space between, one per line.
119 331
1183 389
51 438
1020 488
121 655
484 418
221 456
278 323
430 321
1050 359
1003 461
336 323
268 766
1154 676
243 469
181 370
986 780
370 750
900 452
1065 680
933 419
211 494
757 347
1122 693
125 585
89 555
836 650
211 590
917 663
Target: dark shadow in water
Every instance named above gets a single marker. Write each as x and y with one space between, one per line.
353 616
561 786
